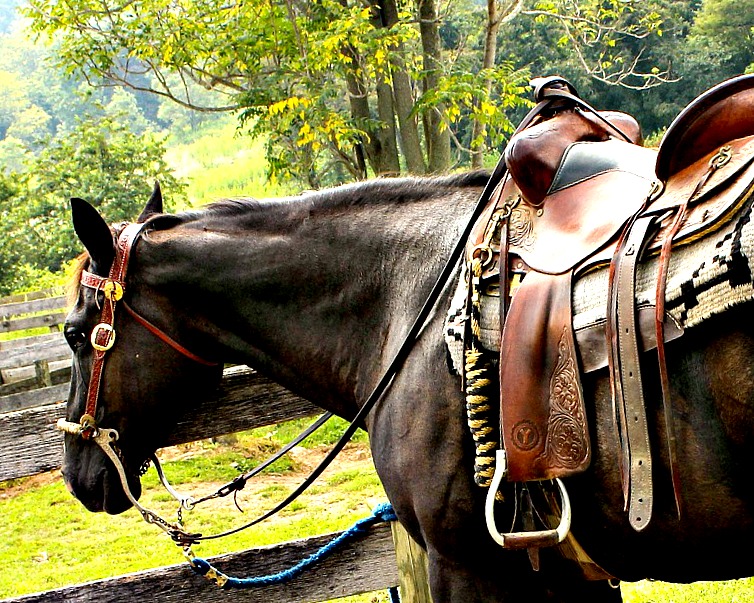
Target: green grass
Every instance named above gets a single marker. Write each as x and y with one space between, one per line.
222 163
732 591
50 540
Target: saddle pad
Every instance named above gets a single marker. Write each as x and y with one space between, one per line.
705 278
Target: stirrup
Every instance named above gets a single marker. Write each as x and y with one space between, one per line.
523 540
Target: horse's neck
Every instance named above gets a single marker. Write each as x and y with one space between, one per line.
319 304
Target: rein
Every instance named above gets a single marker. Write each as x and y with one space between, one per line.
550 93
103 339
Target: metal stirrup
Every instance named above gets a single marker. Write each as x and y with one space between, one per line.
523 540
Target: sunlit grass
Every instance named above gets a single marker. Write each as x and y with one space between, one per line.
221 164
50 540
731 591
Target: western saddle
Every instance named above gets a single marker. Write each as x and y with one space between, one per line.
581 193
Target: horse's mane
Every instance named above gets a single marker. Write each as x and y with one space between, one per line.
368 192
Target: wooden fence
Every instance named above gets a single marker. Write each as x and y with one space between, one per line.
30 444
33 369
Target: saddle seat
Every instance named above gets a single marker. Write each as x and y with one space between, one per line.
723 113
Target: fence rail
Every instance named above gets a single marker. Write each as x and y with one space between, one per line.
361 566
32 362
34 375
29 442
13 314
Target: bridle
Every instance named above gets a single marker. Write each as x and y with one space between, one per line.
102 338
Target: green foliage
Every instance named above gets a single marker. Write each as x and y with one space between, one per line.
466 95
609 38
219 162
100 160
723 34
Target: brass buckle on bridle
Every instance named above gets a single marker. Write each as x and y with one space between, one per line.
108 328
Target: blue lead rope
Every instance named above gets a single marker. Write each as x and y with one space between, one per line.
383 512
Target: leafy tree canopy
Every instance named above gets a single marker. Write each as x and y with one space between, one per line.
101 160
336 82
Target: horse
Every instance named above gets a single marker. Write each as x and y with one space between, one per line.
318 291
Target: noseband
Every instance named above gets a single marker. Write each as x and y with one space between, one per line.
102 337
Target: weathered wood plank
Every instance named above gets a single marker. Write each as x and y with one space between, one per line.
60 369
31 295
20 342
47 349
31 306
29 443
59 374
363 565
33 322
413 570
34 397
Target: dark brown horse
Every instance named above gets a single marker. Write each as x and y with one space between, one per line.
317 292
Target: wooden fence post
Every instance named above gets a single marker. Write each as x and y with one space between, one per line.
42 372
412 567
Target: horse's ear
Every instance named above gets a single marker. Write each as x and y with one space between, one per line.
94 233
154 205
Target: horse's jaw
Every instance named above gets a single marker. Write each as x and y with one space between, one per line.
92 479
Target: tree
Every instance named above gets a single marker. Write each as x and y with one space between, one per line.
99 160
724 32
286 65
337 86
29 126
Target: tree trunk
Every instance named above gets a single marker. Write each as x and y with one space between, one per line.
488 61
495 18
403 97
359 102
386 135
379 147
438 135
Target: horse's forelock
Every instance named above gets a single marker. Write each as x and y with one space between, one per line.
74 281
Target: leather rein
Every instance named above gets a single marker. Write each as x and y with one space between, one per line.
549 92
103 337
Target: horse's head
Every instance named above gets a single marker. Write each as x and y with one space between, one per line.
129 373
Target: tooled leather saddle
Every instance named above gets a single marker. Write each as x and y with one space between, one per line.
581 193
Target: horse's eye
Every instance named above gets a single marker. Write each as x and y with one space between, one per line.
75 338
